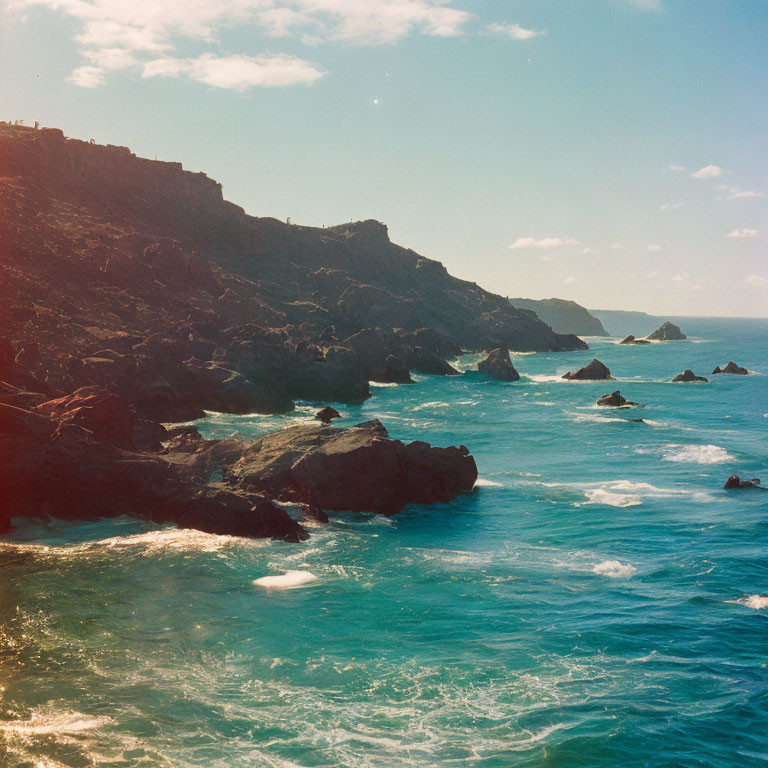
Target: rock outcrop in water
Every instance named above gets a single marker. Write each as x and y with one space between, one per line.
632 340
667 332
689 375
594 371
734 481
616 400
325 415
731 367
498 365
137 275
74 459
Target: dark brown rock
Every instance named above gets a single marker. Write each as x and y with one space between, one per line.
731 367
632 340
324 415
688 375
734 481
498 365
356 469
594 371
616 400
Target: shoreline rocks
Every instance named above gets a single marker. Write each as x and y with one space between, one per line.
595 371
632 340
689 375
498 365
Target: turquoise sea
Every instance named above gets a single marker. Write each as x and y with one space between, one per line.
598 600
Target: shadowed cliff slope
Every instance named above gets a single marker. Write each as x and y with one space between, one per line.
121 271
563 316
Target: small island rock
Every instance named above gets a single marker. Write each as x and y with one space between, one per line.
596 371
616 400
734 481
731 368
498 365
667 332
688 375
632 340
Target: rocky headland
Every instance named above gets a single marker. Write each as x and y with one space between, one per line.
563 316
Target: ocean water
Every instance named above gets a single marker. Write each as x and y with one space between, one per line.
598 600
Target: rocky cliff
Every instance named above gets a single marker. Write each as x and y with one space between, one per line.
136 274
563 316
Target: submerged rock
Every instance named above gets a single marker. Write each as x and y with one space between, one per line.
735 482
324 415
688 375
615 400
731 367
667 332
498 365
594 371
632 340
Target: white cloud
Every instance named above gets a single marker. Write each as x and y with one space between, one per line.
677 168
655 248
653 274
737 194
615 246
87 77
514 31
238 72
708 172
570 280
544 242
679 278
743 234
587 251
673 206
758 281
111 34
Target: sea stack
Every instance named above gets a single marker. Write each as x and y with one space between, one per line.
667 332
632 340
595 371
498 365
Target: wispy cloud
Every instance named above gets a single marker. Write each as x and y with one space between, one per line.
655 248
131 34
615 246
673 206
708 172
739 194
514 31
743 234
238 72
544 242
570 280
677 168
757 280
646 5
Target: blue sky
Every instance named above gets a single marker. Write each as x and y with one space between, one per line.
612 151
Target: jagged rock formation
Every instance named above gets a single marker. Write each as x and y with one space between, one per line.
327 414
731 367
667 332
734 481
616 400
594 371
498 365
132 273
74 458
563 316
688 375
632 340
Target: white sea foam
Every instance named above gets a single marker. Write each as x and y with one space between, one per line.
697 454
602 496
613 569
755 601
287 580
42 724
481 482
383 383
